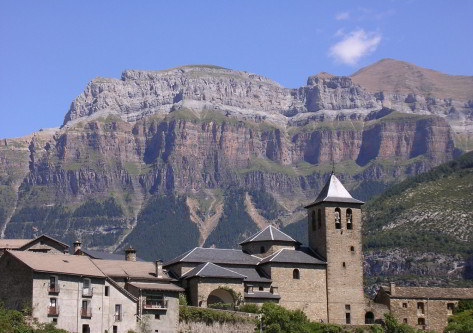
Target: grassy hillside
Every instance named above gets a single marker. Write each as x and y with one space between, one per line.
430 212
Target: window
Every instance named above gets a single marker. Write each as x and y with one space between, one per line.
404 305
450 308
348 318
404 320
85 328
54 320
87 290
349 219
53 284
420 308
338 219
313 220
347 307
157 316
420 321
53 309
352 249
295 274
319 218
115 329
86 310
344 265
261 289
107 290
118 312
369 318
262 249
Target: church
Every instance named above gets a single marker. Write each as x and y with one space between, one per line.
325 279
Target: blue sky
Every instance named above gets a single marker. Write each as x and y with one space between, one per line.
50 50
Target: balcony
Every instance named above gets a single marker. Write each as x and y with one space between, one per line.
87 292
53 310
53 288
86 313
155 305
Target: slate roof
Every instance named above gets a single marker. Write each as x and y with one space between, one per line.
252 274
211 270
156 286
262 294
334 191
269 233
13 243
216 256
430 292
65 246
299 256
58 263
130 269
103 255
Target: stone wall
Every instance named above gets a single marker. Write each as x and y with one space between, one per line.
16 283
200 288
215 327
435 313
308 293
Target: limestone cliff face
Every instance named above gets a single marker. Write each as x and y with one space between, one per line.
202 132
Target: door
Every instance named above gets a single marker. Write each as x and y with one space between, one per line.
85 328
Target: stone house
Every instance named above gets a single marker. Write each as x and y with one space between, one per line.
424 308
86 295
43 243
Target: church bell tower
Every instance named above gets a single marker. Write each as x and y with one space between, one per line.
335 234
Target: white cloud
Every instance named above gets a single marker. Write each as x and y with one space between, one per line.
354 46
342 16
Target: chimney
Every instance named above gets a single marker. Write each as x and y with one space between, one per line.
159 268
77 245
130 254
392 287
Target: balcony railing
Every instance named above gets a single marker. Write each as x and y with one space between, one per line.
53 288
118 317
87 292
86 313
53 310
155 304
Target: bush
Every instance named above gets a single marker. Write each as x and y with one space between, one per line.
209 316
250 308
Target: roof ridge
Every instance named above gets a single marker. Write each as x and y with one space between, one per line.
259 233
228 269
190 251
202 268
277 253
271 231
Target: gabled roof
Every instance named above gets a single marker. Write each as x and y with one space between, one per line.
216 256
129 269
430 293
65 246
13 243
211 270
270 233
102 255
300 256
334 191
58 263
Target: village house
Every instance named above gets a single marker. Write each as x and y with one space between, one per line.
42 244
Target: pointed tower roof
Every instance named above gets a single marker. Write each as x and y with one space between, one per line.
334 191
270 233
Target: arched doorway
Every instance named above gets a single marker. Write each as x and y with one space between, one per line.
220 296
369 318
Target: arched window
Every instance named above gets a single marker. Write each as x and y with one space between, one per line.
295 274
313 220
262 249
338 218
349 219
369 318
319 218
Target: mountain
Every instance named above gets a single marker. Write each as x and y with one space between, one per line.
203 155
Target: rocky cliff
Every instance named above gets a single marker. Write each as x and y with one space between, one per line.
167 160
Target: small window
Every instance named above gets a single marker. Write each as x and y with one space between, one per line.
347 307
404 305
107 290
261 289
404 320
262 249
420 308
344 265
420 321
450 308
295 274
157 316
338 218
200 303
54 320
349 219
118 312
352 249
348 318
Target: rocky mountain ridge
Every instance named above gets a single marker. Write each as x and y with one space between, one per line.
209 153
